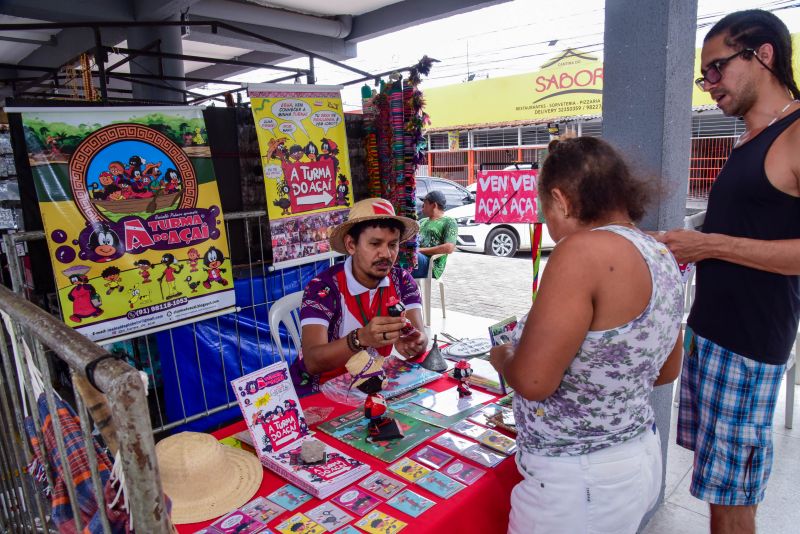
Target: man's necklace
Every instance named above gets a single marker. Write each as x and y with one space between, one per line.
746 134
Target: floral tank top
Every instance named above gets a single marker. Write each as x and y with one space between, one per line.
603 398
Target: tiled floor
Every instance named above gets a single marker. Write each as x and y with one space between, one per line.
778 514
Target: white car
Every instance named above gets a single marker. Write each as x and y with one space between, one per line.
495 239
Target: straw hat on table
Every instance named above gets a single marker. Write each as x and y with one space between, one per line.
204 478
367 210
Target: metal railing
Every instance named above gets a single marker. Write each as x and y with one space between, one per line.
30 333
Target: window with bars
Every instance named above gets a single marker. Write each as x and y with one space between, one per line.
535 135
716 125
499 137
592 128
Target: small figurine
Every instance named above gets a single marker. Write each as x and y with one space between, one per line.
369 377
462 372
396 309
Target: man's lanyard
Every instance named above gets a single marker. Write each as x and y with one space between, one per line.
359 305
374 309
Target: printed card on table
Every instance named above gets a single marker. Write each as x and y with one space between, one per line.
410 503
348 530
469 429
379 523
485 415
453 442
357 501
449 403
497 441
440 485
463 472
300 523
237 522
431 456
289 497
329 516
262 509
382 485
409 469
484 456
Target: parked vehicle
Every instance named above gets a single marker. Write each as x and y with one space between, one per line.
495 239
455 194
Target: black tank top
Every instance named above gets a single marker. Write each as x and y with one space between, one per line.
748 311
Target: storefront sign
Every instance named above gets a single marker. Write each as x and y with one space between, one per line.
132 217
506 197
303 144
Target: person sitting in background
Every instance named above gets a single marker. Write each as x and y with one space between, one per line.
345 308
437 235
604 329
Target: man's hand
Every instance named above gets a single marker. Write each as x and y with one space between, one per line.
381 331
686 245
412 345
499 355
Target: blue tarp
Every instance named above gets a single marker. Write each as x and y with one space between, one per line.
199 360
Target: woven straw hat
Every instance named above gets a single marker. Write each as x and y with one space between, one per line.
204 478
367 210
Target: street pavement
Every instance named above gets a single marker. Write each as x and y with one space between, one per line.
487 286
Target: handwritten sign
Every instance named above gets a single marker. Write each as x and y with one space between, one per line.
506 197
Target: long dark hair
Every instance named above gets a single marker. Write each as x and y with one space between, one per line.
595 179
753 28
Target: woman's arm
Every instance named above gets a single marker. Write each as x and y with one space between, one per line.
672 365
557 323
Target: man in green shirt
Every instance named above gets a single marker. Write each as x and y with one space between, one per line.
437 235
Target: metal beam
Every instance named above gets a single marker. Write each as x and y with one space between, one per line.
219 71
159 9
72 11
409 13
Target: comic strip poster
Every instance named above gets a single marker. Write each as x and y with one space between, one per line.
132 217
301 134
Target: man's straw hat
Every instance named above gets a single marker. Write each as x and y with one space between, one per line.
367 210
204 478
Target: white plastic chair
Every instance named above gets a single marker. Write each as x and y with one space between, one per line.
286 310
791 382
425 285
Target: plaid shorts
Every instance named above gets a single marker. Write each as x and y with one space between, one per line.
725 417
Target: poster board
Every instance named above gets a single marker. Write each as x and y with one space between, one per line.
132 217
304 155
507 196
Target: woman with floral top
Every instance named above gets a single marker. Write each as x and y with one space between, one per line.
605 329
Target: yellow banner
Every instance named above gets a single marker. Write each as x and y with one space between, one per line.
568 85
132 217
303 143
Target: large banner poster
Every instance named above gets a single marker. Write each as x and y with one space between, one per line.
132 217
507 197
301 134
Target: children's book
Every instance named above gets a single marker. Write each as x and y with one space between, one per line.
463 472
382 485
357 501
431 456
351 428
401 376
289 497
410 503
300 523
262 509
349 529
379 523
278 427
449 402
440 485
409 469
405 404
329 516
237 522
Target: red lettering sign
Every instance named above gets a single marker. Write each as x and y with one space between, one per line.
282 430
330 470
312 184
506 197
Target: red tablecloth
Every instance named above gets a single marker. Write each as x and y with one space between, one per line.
482 507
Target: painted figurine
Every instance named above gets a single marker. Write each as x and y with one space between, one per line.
369 378
396 309
462 372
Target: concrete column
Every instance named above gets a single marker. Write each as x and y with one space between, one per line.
647 98
166 39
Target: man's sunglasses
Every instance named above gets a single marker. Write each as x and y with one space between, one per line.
714 72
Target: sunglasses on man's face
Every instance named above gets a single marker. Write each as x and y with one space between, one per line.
713 73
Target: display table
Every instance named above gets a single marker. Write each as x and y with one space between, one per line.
482 507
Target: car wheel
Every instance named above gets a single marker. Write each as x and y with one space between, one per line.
501 242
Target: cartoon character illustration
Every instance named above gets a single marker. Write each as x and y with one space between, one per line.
461 372
173 181
104 241
311 151
329 150
171 268
138 296
108 186
213 259
283 201
296 154
134 164
194 259
144 267
276 149
117 170
112 277
192 285
85 300
341 190
198 138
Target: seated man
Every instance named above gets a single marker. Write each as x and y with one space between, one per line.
345 308
437 235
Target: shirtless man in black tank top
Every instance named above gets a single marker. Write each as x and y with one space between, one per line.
745 315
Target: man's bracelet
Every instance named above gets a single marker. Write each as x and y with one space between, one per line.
352 341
